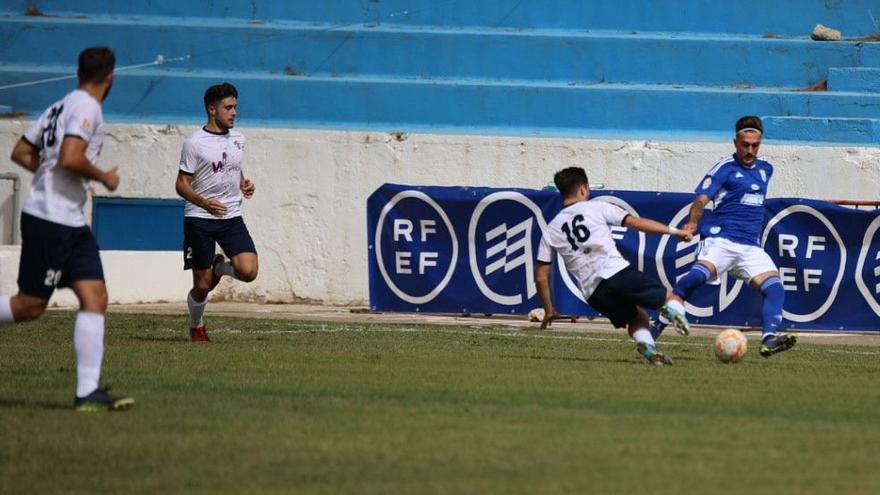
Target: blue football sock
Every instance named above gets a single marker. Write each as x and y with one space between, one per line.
697 276
774 297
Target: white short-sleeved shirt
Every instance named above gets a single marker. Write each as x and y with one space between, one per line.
214 161
57 195
580 233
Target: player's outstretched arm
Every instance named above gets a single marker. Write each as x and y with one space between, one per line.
655 227
696 213
72 158
26 154
185 190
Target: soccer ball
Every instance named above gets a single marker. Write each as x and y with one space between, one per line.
731 346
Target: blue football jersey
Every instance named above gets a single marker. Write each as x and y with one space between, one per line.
738 193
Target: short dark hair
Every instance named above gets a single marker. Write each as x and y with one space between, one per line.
218 92
749 122
568 180
95 63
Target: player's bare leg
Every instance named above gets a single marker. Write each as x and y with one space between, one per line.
24 307
88 342
243 267
701 272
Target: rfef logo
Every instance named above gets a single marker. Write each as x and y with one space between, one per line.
412 234
503 232
811 257
868 267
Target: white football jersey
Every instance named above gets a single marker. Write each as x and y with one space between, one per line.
580 234
214 161
58 195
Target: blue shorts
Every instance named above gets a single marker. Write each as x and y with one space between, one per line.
200 236
619 296
55 255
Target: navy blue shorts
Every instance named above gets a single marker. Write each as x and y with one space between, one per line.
55 255
618 297
200 236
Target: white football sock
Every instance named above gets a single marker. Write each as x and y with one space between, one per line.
676 305
643 336
224 268
88 342
196 310
6 310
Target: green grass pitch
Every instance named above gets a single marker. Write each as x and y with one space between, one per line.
291 407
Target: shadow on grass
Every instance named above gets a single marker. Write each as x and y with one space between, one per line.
34 404
564 358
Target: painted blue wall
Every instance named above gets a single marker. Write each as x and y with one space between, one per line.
502 66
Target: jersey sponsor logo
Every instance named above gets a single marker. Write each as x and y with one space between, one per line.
670 269
804 249
411 233
752 199
868 267
501 240
218 166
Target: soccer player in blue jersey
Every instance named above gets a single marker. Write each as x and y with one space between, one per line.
731 234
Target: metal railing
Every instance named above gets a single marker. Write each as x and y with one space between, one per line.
16 187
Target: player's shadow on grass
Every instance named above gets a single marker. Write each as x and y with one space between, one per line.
564 358
34 404
170 338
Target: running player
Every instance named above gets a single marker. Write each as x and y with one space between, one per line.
580 234
731 234
211 181
57 247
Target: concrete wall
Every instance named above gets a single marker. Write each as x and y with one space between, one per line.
308 217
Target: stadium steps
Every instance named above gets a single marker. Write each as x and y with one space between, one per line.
519 107
858 79
754 17
500 66
442 53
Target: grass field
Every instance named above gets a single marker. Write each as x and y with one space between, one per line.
284 407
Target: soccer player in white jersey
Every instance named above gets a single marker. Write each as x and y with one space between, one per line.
731 233
211 181
57 247
581 236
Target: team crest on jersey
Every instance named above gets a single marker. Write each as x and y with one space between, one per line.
239 145
763 174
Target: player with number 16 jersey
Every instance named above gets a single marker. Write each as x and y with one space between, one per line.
581 237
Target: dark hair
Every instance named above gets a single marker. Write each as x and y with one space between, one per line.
217 92
749 122
95 63
568 180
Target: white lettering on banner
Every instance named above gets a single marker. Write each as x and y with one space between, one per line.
427 259
509 300
403 227
813 244
402 259
402 263
788 277
428 227
868 243
811 275
787 244
725 297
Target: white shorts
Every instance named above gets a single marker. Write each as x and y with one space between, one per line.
741 260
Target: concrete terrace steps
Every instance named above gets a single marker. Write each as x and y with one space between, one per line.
864 131
161 96
859 79
434 53
757 17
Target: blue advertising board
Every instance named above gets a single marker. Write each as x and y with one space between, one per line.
472 250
